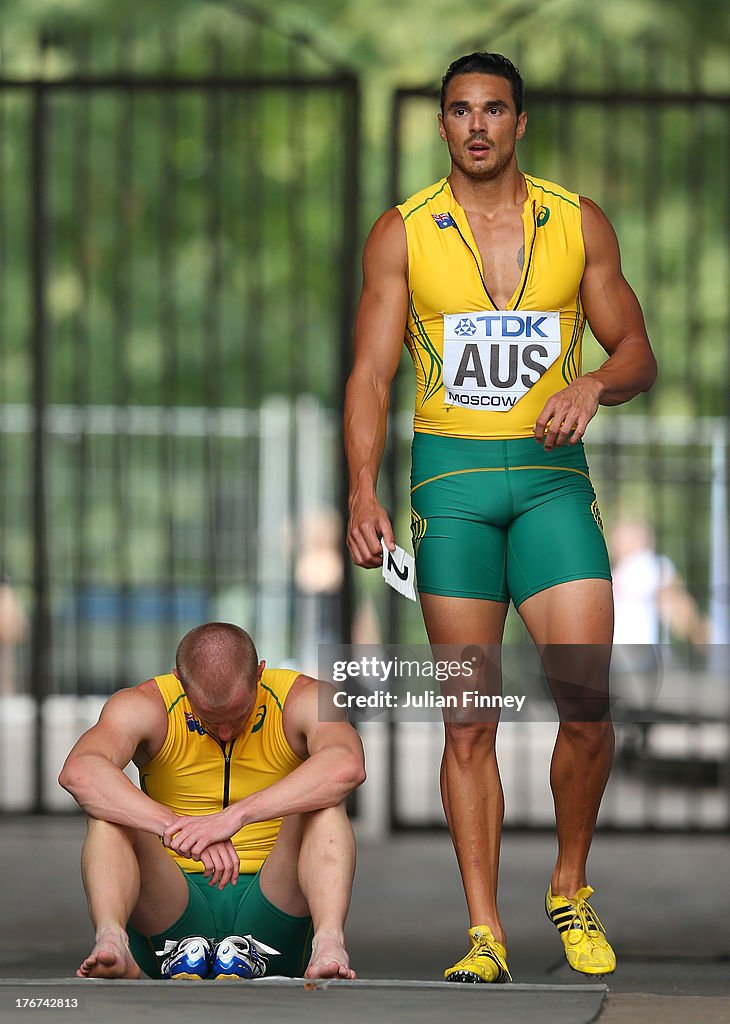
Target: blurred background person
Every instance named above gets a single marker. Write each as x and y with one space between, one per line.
652 602
13 630
651 605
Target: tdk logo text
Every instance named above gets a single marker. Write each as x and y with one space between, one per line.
509 325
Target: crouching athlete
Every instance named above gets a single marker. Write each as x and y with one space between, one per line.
239 826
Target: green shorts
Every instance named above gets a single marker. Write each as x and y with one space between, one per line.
502 519
240 909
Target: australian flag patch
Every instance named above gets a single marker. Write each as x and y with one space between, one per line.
444 220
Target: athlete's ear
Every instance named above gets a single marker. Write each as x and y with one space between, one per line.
262 666
442 130
521 124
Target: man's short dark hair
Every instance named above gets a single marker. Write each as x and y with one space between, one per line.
483 63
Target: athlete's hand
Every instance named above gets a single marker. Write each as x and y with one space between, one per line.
221 864
368 523
191 835
568 412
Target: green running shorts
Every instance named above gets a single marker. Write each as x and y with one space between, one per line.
501 519
240 909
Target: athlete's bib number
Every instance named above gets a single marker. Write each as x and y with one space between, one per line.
492 359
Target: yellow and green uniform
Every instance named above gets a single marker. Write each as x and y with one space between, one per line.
494 515
511 360
194 774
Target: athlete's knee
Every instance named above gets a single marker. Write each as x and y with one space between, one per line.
97 827
588 708
335 813
466 740
592 738
290 834
577 670
331 821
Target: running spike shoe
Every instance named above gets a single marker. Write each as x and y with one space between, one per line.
186 959
586 947
486 961
239 956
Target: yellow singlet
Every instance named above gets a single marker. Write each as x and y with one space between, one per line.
483 372
193 774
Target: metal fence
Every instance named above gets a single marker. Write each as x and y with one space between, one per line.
652 148
178 235
179 214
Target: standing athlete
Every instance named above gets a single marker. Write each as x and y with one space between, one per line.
490 275
239 826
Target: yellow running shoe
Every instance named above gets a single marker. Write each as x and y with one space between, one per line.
584 937
486 961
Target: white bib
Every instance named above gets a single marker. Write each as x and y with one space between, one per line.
492 358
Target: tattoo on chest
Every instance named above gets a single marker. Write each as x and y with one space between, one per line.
521 257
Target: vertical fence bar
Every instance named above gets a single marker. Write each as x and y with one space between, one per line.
80 570
293 104
349 251
211 342
390 466
169 335
251 216
4 248
41 629
254 219
699 457
391 460
122 476
721 625
650 300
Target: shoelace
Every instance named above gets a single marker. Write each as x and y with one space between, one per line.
583 917
480 939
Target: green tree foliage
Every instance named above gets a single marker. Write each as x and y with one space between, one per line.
188 229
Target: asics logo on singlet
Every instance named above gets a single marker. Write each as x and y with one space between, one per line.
465 328
260 717
193 724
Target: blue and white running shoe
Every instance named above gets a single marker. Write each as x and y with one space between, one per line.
187 959
240 956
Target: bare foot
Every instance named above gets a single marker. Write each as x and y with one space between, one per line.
110 958
329 959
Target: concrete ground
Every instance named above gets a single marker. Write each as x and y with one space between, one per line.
664 900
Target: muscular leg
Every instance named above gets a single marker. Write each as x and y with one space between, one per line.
471 789
128 875
572 626
310 870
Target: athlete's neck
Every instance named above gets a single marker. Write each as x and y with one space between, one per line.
492 195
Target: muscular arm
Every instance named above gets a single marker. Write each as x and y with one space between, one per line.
379 329
334 766
615 317
94 770
614 314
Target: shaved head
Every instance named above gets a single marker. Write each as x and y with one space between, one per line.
216 662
